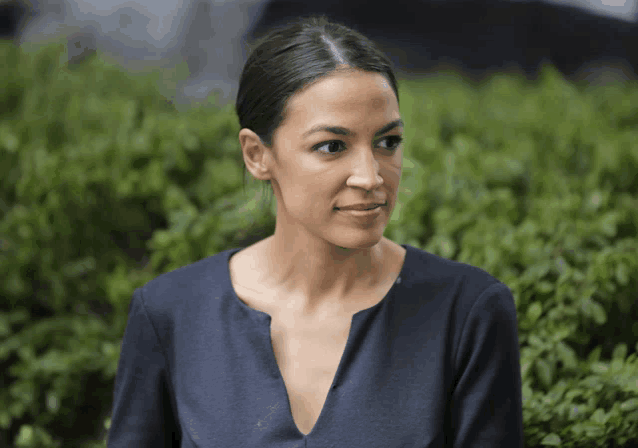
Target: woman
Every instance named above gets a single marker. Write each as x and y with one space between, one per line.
326 333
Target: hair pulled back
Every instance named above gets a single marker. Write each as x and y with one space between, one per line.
289 58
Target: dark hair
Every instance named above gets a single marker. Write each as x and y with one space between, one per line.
291 57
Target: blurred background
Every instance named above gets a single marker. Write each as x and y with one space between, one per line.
587 40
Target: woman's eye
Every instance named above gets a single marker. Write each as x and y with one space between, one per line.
394 142
395 139
327 145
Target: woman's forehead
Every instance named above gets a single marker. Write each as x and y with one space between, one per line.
344 94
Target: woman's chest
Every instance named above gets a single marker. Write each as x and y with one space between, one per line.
308 361
252 384
309 353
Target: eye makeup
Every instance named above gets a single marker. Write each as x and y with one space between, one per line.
394 140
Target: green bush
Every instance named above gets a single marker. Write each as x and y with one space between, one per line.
537 183
104 185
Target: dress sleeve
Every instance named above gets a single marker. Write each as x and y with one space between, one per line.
486 409
142 414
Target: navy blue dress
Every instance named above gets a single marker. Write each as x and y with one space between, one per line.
436 363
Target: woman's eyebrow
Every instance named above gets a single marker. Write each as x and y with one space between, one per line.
343 131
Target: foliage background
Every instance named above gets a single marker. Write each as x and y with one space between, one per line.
104 185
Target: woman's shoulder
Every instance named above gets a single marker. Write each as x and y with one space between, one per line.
426 268
432 282
202 276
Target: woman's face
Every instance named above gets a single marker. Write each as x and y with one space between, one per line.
314 172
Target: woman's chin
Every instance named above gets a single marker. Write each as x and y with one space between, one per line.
358 243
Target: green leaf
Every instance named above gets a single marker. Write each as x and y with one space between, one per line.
25 437
551 440
598 312
544 372
18 316
594 355
629 405
536 341
575 411
592 429
525 366
558 390
599 416
53 402
622 274
617 365
545 287
8 140
79 267
567 355
573 393
5 419
534 312
608 224
538 271
599 367
560 333
593 309
5 327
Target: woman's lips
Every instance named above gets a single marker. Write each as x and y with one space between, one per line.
360 207
363 214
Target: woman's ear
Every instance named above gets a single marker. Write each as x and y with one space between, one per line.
256 155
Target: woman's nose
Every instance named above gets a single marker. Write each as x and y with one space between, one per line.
365 173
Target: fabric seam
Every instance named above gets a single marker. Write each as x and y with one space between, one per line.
168 367
484 293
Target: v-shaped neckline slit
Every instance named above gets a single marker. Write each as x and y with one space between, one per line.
338 372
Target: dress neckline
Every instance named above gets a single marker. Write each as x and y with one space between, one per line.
346 352
262 314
